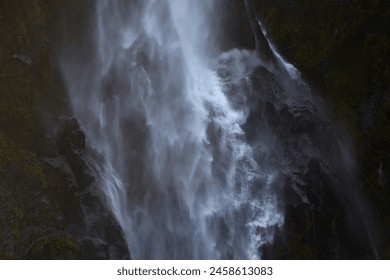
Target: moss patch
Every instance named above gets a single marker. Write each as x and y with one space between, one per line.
54 247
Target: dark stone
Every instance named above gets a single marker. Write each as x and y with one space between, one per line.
64 184
341 47
76 179
318 193
70 136
87 216
94 249
384 173
261 43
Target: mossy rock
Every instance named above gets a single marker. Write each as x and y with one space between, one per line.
54 247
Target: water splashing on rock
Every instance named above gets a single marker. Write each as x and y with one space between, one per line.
197 151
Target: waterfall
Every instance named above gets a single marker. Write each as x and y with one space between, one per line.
193 159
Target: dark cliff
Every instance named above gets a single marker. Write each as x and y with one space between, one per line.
50 201
342 47
49 187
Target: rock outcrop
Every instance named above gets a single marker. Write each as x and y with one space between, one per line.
76 180
342 48
51 205
325 216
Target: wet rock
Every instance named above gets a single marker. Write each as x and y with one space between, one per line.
318 198
77 179
264 84
70 137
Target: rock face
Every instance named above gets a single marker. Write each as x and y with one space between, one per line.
76 180
319 192
322 216
32 225
342 48
53 208
49 188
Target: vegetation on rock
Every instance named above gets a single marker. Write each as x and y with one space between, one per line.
35 220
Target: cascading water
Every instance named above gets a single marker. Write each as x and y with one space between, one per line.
192 161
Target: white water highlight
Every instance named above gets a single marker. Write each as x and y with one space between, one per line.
179 175
192 155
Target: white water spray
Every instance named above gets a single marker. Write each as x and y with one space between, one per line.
180 177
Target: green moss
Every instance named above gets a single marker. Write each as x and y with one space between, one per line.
16 217
10 153
6 257
60 243
25 83
26 75
302 251
54 247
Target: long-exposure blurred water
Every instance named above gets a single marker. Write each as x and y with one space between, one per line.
188 174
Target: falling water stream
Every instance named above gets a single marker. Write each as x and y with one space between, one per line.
186 176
